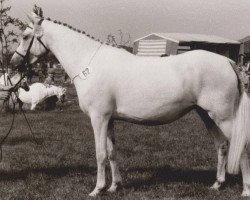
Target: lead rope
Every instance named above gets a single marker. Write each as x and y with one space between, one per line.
11 125
23 113
6 103
13 120
8 133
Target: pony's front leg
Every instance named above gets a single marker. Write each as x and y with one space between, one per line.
116 176
100 127
244 166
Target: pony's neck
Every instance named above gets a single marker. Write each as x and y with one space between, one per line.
73 50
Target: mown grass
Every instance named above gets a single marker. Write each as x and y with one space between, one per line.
175 161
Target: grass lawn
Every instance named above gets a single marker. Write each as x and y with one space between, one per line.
175 161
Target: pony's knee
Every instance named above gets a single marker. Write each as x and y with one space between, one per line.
101 157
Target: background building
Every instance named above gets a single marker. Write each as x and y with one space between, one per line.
245 48
158 44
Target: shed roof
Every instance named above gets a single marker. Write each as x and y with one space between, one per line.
190 37
245 39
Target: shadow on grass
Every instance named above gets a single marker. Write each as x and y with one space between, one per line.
23 139
167 175
55 171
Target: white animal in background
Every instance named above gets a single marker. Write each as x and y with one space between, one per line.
39 92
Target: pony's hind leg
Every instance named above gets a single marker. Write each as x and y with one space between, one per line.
226 126
222 150
245 169
221 145
116 177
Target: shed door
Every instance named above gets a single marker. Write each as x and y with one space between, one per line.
151 47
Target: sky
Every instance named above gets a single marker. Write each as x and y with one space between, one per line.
226 18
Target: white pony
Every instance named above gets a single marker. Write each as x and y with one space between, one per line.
113 84
39 92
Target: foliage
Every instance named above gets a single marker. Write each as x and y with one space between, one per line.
7 34
121 42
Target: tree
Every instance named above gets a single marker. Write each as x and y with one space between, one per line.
125 44
7 34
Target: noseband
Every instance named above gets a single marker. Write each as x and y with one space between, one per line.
30 45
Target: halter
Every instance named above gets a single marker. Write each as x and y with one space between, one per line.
25 61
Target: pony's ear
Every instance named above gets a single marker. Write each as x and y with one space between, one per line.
38 11
33 18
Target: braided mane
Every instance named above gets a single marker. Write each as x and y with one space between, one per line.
39 12
79 31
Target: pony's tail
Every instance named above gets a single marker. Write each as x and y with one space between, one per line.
240 133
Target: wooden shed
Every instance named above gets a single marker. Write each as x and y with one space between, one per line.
158 44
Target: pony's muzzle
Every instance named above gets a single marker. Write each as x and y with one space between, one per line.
16 59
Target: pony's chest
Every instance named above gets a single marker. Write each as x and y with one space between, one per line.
93 96
85 95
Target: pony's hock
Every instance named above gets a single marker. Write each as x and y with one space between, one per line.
147 90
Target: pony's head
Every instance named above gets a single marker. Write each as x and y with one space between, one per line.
31 46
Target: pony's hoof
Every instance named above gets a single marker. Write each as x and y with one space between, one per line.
216 186
95 192
114 187
245 193
246 190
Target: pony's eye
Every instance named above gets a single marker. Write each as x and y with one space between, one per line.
25 37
